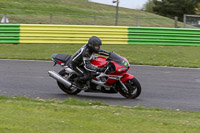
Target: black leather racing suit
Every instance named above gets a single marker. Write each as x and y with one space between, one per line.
81 61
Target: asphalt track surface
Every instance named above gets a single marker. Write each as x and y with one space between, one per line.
162 87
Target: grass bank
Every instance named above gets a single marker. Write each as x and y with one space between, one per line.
178 56
22 115
77 12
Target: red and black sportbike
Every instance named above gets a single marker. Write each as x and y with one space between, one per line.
115 78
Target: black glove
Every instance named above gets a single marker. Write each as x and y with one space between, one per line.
101 69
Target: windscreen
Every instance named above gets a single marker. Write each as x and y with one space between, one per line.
118 59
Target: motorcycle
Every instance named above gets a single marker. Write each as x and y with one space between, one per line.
114 79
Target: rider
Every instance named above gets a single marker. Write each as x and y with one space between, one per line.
81 59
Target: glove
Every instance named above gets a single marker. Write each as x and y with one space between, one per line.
101 69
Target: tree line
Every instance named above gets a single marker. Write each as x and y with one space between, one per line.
172 8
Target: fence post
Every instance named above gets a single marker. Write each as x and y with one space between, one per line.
51 19
176 22
137 21
95 20
184 20
5 15
117 9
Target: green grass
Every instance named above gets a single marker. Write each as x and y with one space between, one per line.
178 56
22 115
77 12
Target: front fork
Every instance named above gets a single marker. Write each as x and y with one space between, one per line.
125 89
123 80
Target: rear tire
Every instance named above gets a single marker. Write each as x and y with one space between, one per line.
134 89
67 90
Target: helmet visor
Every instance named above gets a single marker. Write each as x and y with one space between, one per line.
96 47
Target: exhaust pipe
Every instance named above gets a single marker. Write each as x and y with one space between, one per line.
59 78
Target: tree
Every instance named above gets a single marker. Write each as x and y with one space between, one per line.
197 9
171 8
149 6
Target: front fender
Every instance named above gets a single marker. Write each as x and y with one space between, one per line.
126 77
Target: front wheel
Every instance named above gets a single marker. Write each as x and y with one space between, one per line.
68 90
133 89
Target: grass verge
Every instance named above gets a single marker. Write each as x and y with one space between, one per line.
177 56
22 115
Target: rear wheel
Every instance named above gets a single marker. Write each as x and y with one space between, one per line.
68 90
133 89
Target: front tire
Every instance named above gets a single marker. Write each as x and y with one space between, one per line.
67 90
134 89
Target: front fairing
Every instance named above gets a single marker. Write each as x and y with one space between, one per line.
119 64
116 65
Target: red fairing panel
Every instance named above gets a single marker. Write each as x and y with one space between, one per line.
110 82
126 77
99 62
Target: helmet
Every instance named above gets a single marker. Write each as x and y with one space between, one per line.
94 44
